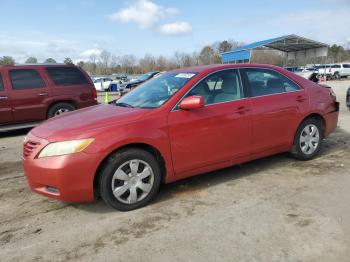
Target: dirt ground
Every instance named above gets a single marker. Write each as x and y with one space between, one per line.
273 209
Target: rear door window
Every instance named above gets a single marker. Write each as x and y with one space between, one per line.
1 84
26 79
335 66
66 76
264 82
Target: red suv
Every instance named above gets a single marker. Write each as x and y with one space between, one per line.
183 123
32 93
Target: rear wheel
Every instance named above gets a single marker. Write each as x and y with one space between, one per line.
130 179
59 108
308 139
337 75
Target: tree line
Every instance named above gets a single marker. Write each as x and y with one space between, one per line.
107 63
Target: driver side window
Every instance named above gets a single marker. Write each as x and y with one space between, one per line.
219 87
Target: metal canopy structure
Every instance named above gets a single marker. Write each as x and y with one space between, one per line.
292 45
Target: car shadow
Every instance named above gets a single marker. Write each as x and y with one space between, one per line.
339 140
13 133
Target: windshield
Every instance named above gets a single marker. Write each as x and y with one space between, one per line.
155 92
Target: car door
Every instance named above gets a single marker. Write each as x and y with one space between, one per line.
218 132
346 69
28 95
5 104
278 105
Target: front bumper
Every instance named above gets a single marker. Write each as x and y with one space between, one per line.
68 178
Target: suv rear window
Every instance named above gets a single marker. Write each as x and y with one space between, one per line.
26 79
64 76
1 84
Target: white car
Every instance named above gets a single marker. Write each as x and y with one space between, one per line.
306 72
103 83
340 70
335 71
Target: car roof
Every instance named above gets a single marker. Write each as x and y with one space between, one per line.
38 65
215 67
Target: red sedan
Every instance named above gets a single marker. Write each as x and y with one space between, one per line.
186 122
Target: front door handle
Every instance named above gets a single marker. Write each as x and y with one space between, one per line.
3 97
242 110
43 94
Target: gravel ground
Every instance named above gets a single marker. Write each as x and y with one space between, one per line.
272 209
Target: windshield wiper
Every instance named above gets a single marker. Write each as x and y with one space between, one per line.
122 104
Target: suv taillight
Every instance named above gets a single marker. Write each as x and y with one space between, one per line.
94 94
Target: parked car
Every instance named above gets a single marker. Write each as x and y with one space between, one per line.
335 71
135 82
348 98
32 93
310 73
103 83
340 70
183 123
325 71
120 78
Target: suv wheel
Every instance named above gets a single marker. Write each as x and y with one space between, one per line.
337 75
60 108
308 139
130 179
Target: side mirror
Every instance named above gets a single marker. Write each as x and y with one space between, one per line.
192 102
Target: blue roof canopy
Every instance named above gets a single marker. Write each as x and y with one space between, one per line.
287 43
236 56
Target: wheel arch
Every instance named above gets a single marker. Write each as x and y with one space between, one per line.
144 146
316 116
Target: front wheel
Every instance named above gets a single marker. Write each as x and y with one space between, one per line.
130 179
308 139
59 108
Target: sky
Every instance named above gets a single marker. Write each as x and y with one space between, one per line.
81 28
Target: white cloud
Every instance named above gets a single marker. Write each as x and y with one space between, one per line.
90 52
144 13
45 46
177 28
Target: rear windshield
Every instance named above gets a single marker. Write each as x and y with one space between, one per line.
65 76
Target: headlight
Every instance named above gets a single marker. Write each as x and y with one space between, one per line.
65 147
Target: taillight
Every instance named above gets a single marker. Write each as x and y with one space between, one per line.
94 94
333 95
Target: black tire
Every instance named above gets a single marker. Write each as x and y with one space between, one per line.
337 75
297 150
59 108
118 160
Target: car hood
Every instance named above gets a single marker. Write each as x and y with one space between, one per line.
85 122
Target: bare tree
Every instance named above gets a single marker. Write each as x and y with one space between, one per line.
147 63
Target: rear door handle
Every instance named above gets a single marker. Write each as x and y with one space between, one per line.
242 110
43 94
3 97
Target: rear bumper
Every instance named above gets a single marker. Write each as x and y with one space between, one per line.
68 178
332 120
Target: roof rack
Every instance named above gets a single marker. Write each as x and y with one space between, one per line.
39 64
